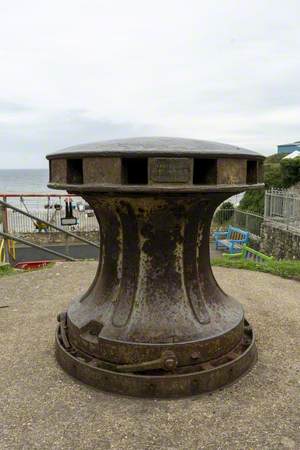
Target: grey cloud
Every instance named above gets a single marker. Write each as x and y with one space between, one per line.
244 97
11 107
27 145
226 71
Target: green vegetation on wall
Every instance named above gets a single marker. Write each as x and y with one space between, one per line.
278 173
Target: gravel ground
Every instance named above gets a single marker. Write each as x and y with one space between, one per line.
44 408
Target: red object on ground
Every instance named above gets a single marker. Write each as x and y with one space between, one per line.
32 265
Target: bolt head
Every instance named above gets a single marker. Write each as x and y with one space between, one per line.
195 355
170 363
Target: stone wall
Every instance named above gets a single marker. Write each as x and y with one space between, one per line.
59 237
279 242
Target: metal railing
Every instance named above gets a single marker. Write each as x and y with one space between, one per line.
245 220
7 249
50 208
282 209
11 247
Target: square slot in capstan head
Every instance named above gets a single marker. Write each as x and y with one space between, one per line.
74 171
205 171
135 170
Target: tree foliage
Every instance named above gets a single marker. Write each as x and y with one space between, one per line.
253 201
278 173
290 171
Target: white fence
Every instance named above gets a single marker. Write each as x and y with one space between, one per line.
51 208
282 208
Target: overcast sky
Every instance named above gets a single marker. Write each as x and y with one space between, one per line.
77 71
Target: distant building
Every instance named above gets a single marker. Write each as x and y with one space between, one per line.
288 148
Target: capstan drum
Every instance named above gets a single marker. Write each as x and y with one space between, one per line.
154 322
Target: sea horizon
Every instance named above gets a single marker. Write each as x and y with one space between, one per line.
34 181
24 181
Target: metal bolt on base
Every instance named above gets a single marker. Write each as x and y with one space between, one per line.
168 382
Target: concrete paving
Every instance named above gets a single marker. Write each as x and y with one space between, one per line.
44 408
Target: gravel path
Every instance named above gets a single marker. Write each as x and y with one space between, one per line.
44 408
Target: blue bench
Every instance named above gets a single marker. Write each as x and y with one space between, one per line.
233 239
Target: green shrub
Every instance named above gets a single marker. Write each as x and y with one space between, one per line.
290 169
275 159
273 177
6 269
253 201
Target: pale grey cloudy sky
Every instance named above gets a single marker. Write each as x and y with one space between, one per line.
76 71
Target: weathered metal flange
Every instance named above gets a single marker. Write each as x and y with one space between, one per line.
184 381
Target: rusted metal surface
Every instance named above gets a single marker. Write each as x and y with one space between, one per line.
232 170
156 146
170 170
154 322
184 381
99 170
58 170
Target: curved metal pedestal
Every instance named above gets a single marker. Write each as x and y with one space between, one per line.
182 381
155 322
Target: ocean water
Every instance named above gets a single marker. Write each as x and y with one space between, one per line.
27 181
